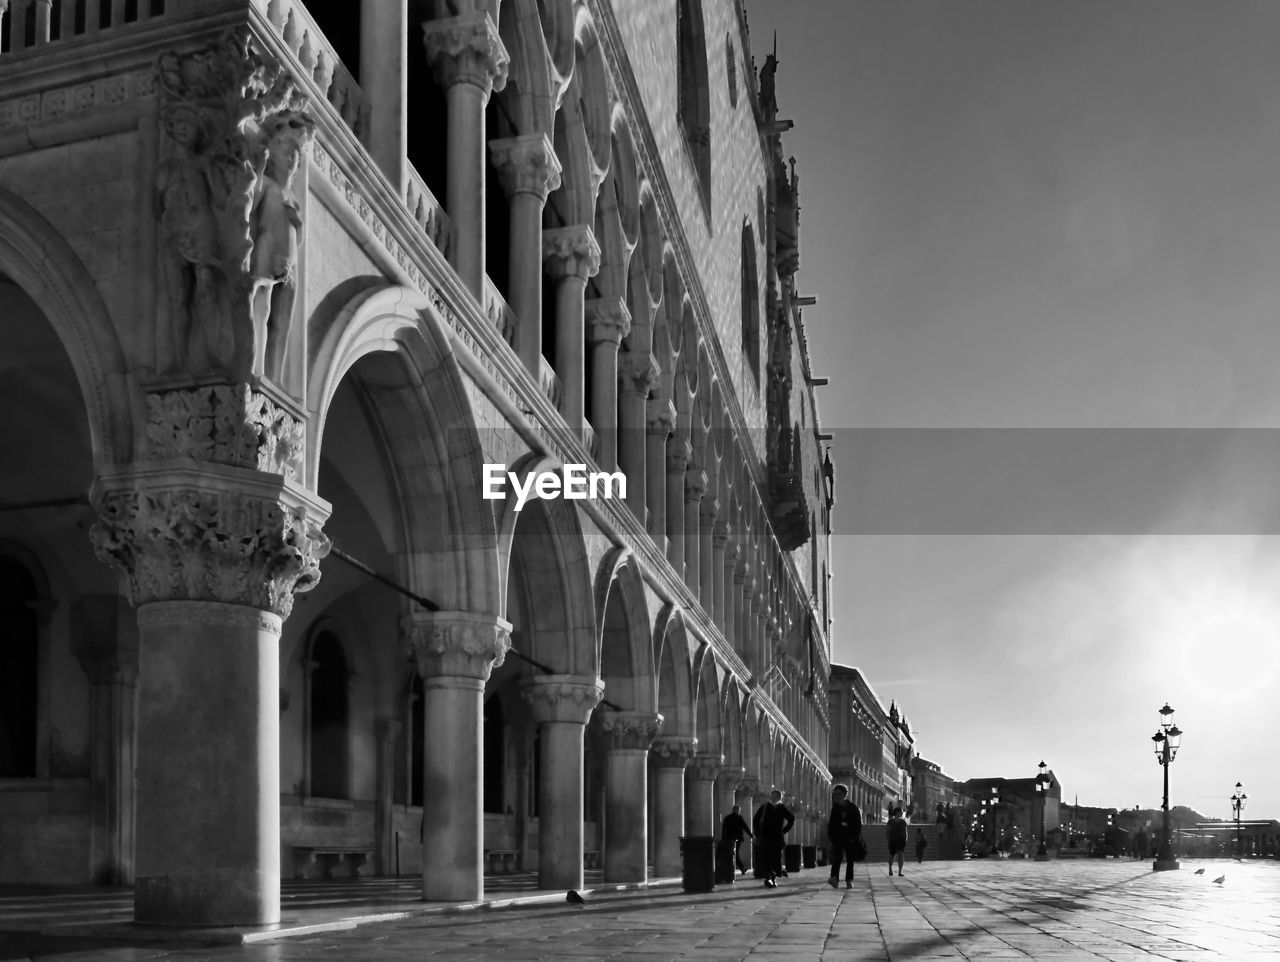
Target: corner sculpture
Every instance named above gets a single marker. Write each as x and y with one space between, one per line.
230 223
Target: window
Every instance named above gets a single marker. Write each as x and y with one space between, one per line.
750 304
731 69
694 106
330 715
19 667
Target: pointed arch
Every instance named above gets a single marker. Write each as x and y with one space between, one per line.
623 636
674 676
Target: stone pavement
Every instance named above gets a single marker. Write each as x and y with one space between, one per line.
1089 909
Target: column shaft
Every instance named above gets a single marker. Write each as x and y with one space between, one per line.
525 273
677 459
626 816
660 417
384 814
560 831
384 77
668 821
464 187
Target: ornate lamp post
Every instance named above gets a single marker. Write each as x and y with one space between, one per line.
995 829
1167 739
1042 793
1238 801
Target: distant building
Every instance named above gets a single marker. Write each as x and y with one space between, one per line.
930 787
1007 812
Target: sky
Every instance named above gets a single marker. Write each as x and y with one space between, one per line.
1044 238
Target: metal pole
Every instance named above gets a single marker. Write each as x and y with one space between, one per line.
1166 850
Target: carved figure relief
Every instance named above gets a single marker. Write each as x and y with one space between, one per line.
229 222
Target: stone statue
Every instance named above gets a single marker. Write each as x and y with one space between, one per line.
275 221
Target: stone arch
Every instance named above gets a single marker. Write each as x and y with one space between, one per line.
707 701
591 78
557 20
36 257
328 659
731 710
623 635
674 675
573 202
527 97
543 555
430 440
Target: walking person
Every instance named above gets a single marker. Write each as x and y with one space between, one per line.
897 831
921 842
732 829
844 831
771 822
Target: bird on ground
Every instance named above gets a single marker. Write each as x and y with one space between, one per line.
573 898
1198 871
1219 880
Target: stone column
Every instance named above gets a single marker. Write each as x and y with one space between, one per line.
608 322
707 561
561 705
214 538
678 456
454 652
113 677
726 791
384 78
702 773
748 790
469 62
571 256
384 827
728 548
670 755
742 614
529 170
695 488
626 841
660 419
638 374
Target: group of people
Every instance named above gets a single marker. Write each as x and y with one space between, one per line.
772 820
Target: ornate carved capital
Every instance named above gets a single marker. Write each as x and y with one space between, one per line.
731 776
749 785
679 454
638 372
526 165
673 751
723 541
225 424
695 484
455 643
562 698
608 320
571 252
660 418
467 49
705 766
710 508
183 536
632 729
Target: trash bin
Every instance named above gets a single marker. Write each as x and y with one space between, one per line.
726 867
697 855
810 856
793 858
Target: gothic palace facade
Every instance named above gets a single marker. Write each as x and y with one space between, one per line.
277 280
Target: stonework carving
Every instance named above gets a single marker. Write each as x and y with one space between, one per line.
455 643
706 766
673 751
228 218
707 513
571 252
608 320
695 484
225 424
749 785
188 543
631 730
467 49
562 698
526 165
660 418
731 776
639 373
679 454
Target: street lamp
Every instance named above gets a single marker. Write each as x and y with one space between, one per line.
1238 801
1042 792
1167 739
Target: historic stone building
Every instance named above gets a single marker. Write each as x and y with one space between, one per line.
277 280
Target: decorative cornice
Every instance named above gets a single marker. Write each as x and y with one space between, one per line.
455 644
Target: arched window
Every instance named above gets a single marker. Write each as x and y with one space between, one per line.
494 756
330 717
19 667
750 303
694 104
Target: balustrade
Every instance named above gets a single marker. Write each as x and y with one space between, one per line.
427 212
35 23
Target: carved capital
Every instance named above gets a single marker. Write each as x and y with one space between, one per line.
723 541
562 698
526 165
571 252
660 418
731 776
608 320
705 766
672 751
467 49
183 536
631 729
749 785
710 508
695 484
456 644
225 424
679 454
638 371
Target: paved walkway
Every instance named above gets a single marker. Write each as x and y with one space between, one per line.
1091 909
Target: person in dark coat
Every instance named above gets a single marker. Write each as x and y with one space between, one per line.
921 843
772 821
844 832
897 831
732 829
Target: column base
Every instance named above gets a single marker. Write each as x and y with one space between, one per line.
1164 865
213 897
